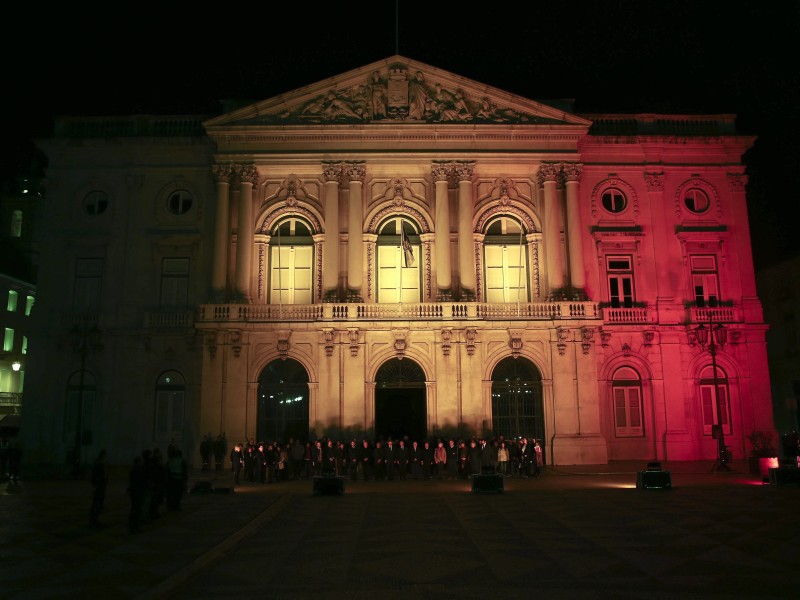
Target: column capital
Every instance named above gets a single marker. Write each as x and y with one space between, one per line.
355 171
548 172
654 182
737 181
441 171
331 171
248 174
222 173
572 171
463 170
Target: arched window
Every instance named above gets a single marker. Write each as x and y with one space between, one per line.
170 405
715 409
517 407
696 201
282 402
627 398
505 261
398 261
291 262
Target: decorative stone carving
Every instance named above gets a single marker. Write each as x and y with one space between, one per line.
515 342
648 336
605 337
654 182
400 342
211 342
222 173
355 171
562 333
352 334
626 349
587 335
447 334
283 343
235 340
328 338
471 334
572 171
248 173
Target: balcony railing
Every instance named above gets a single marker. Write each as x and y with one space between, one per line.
717 314
169 319
627 315
11 399
444 311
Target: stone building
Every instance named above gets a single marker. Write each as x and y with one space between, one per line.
398 251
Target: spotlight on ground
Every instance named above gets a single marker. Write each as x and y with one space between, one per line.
653 478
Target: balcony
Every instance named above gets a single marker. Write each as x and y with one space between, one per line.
11 400
444 311
632 315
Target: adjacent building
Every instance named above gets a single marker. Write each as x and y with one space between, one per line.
398 251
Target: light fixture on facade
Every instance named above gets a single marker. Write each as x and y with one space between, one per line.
715 337
16 365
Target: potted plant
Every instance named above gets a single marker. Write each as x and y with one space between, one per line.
763 454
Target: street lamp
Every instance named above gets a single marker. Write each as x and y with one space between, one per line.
715 336
85 338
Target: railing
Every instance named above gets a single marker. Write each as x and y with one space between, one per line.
11 399
445 311
717 314
168 319
625 315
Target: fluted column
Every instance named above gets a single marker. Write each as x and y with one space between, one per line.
572 174
355 241
442 232
330 271
548 173
466 247
219 268
248 177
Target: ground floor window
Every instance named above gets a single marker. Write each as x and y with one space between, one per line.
627 398
517 407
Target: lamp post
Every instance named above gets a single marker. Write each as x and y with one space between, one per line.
715 336
85 338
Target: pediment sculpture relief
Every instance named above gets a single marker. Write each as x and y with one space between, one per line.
398 95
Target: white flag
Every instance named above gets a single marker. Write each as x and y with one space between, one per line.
408 252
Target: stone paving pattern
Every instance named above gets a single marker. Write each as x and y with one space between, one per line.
575 532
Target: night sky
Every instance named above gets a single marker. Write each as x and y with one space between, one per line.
626 56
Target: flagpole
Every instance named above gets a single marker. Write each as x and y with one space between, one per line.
519 267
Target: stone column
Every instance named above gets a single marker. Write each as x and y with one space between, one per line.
552 236
330 271
355 243
572 173
466 247
248 177
444 283
219 269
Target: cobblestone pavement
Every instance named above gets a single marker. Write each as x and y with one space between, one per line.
575 532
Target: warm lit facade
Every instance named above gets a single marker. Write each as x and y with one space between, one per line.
398 251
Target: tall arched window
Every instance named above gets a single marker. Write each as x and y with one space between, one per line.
517 407
169 409
398 261
282 402
505 261
291 262
708 401
627 398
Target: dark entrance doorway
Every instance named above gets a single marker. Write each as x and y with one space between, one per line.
517 406
400 401
282 402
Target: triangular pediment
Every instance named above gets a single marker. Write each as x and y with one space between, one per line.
397 91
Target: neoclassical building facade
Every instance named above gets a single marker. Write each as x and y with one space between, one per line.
398 251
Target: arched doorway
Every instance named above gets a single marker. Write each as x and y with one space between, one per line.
282 402
400 401
517 407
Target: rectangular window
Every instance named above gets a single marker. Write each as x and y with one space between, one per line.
506 274
291 281
88 280
396 282
174 282
619 270
628 411
11 306
8 340
28 305
709 408
705 282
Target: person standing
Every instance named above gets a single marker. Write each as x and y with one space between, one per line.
137 483
100 483
237 460
177 475
502 459
537 458
439 460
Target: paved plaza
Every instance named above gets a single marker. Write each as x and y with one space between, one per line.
575 532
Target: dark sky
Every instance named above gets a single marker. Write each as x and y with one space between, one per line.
609 56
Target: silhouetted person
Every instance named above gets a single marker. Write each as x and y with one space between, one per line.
99 480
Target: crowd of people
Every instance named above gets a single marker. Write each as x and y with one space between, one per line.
393 459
